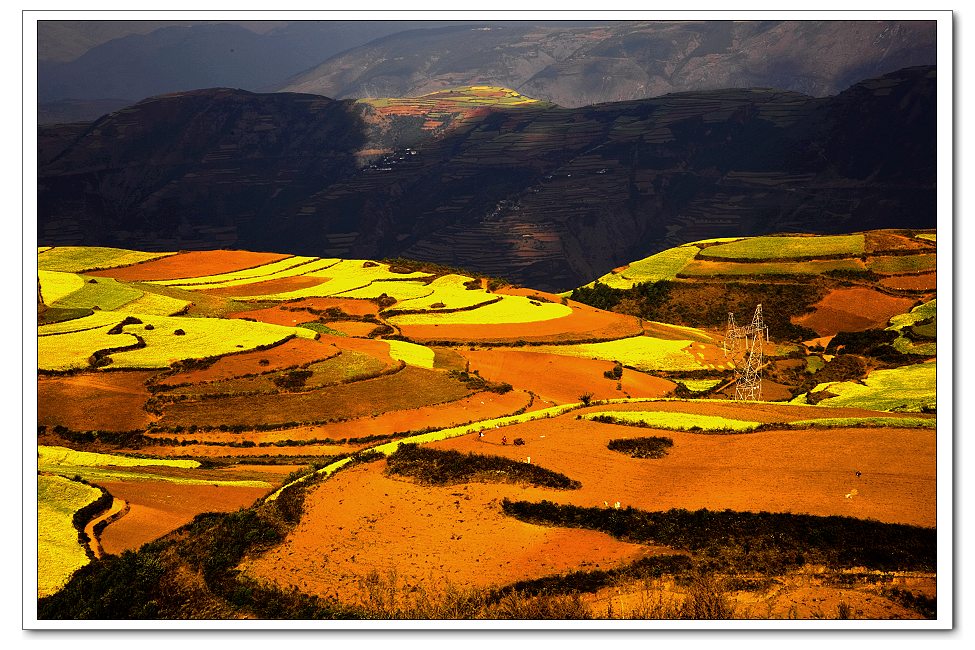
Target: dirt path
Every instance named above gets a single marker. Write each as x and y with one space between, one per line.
118 509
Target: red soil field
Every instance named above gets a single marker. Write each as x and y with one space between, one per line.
803 471
280 285
158 507
360 520
852 310
292 313
293 352
923 282
583 323
242 453
192 264
359 329
561 379
881 242
107 401
479 406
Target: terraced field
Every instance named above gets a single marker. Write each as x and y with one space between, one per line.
273 388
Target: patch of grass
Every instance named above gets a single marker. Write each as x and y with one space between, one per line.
920 314
105 294
903 264
156 304
75 350
510 309
77 259
903 389
447 467
929 236
673 420
641 352
770 248
59 553
50 458
411 353
665 265
321 328
767 543
648 447
880 422
700 385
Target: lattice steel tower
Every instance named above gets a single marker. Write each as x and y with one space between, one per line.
745 344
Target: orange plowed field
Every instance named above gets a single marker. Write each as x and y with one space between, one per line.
583 323
107 401
293 352
360 520
479 406
852 310
293 313
802 471
923 282
158 507
562 379
880 242
191 265
242 453
267 287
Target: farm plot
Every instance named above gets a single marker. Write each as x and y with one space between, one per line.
560 379
56 285
920 314
100 293
94 401
922 282
264 287
851 310
157 304
301 311
285 268
189 265
879 242
344 278
78 259
449 292
58 552
411 353
511 309
662 266
708 268
770 248
904 389
640 352
675 421
903 264
74 350
409 388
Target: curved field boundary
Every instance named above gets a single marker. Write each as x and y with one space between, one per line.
274 270
788 248
178 266
665 265
117 510
81 259
59 553
58 284
675 420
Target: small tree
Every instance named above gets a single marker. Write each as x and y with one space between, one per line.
586 398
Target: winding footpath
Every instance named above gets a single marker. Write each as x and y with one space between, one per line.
118 509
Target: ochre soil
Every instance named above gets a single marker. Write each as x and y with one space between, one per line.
107 401
191 264
480 406
561 379
158 507
880 242
352 327
584 323
922 282
804 471
268 287
360 521
853 310
293 352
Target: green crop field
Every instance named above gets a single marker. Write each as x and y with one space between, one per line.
58 552
156 304
510 309
705 268
676 421
411 353
903 264
930 236
77 259
640 352
880 422
904 389
920 313
56 285
105 294
662 266
763 248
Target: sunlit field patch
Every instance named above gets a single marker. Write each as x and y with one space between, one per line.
675 421
56 285
448 292
903 264
662 266
76 259
916 315
758 248
411 353
58 552
641 352
930 236
904 389
275 270
105 294
344 277
511 309
705 268
156 304
74 349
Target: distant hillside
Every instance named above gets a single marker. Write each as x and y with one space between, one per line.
483 179
578 64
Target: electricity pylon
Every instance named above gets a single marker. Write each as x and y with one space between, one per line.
744 344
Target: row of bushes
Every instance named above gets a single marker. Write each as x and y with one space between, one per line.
448 467
768 543
648 447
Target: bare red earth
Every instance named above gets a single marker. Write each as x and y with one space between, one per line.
191 265
852 310
107 401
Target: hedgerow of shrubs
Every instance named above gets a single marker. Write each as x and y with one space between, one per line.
448 467
648 447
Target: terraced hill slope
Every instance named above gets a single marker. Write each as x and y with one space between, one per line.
549 197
